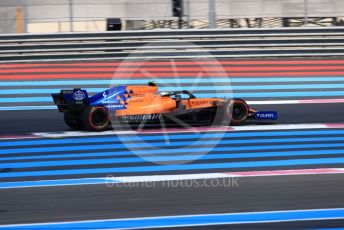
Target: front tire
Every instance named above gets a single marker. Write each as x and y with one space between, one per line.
236 111
96 118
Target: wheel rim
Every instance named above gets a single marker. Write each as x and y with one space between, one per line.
99 118
239 112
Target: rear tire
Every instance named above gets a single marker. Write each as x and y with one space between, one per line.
73 120
96 118
236 111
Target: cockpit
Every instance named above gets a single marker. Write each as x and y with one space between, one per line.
181 94
177 94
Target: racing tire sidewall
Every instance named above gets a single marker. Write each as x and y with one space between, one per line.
244 113
89 117
73 119
230 108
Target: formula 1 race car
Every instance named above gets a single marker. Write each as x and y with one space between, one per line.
143 103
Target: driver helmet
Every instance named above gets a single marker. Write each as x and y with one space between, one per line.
152 83
164 93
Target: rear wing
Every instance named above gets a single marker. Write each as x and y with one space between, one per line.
74 99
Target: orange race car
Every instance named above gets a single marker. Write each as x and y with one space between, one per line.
143 103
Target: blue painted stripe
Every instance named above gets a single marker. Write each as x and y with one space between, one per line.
27 107
327 228
186 167
191 88
190 157
170 152
63 182
167 144
26 99
172 80
192 220
42 91
206 95
153 137
231 148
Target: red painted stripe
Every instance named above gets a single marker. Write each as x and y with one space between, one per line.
15 137
335 125
180 62
340 100
286 172
161 75
193 129
178 69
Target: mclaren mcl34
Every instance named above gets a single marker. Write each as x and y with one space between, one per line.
135 104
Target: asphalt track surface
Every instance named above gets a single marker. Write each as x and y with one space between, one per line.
67 203
24 122
101 202
92 202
